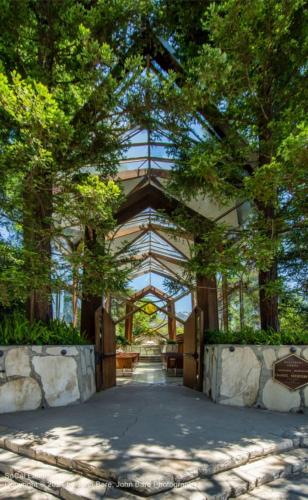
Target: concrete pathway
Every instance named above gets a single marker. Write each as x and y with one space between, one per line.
146 372
152 432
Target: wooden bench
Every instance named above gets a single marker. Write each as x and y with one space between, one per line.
125 361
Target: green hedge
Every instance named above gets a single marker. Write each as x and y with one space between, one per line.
15 329
258 337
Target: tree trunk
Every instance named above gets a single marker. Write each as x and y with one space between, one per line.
241 301
225 304
129 322
268 301
38 196
37 230
75 299
90 303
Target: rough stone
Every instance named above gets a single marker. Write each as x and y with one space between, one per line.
20 394
17 362
306 396
56 350
240 376
83 364
283 351
280 398
305 353
269 356
37 348
59 379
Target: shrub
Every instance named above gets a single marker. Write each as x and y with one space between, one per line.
15 329
261 337
121 341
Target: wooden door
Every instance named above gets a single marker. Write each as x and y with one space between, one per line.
105 350
193 350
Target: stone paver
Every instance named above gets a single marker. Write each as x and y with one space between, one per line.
295 488
52 480
235 483
167 433
13 489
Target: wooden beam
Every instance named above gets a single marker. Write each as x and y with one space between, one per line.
150 197
129 322
145 158
133 311
171 321
142 172
121 232
125 231
172 260
149 289
165 311
176 275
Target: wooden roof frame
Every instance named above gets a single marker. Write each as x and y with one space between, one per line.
147 290
150 196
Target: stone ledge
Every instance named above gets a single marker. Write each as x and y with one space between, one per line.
33 447
243 479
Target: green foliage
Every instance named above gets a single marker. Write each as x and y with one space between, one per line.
59 117
121 341
15 329
246 72
258 337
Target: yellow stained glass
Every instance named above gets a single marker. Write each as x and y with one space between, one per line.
150 308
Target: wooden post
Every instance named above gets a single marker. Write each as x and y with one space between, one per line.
171 321
207 301
193 299
129 322
108 303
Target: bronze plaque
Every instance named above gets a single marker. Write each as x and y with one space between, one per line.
291 371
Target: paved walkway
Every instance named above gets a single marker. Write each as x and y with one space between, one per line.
150 431
146 372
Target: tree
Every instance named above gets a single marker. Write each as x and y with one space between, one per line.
251 70
58 114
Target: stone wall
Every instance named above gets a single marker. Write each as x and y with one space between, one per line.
34 377
242 376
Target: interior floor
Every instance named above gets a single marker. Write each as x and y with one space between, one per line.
149 372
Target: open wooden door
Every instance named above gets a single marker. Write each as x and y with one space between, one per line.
105 350
193 350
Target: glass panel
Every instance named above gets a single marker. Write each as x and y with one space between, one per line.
136 151
131 165
165 165
159 152
141 136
